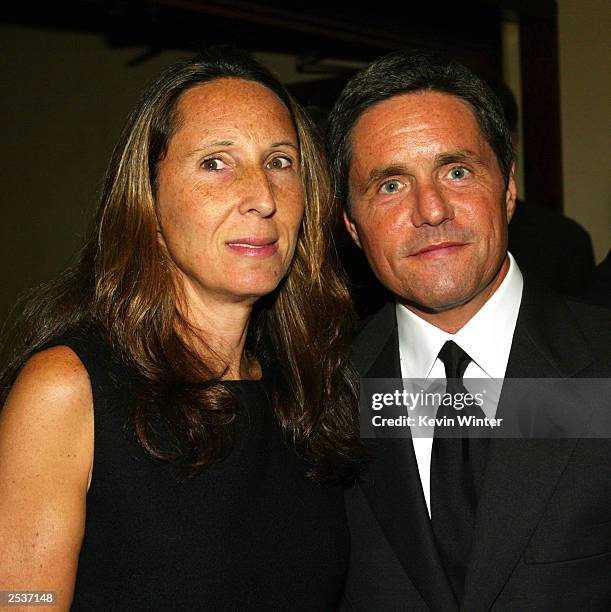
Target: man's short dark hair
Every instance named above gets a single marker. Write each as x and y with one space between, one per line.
508 102
410 71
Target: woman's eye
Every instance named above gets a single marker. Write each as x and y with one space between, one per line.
458 173
213 163
279 163
390 186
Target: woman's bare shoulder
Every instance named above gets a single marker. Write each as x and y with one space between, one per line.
48 409
46 454
54 374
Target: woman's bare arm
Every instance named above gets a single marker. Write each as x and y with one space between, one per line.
46 453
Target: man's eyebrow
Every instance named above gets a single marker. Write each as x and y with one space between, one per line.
450 157
459 155
381 173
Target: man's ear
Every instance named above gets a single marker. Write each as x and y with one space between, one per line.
511 193
351 227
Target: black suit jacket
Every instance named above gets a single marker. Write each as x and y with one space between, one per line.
543 532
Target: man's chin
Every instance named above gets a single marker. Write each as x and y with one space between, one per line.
440 296
432 305
465 298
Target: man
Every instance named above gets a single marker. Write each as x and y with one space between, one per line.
424 163
600 289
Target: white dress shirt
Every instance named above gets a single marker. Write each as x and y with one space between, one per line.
486 338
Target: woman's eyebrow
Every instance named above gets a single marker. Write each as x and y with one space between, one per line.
216 143
285 143
229 143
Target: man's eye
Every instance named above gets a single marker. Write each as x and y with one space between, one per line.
213 163
458 173
279 163
390 186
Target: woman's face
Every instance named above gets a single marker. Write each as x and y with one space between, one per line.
229 195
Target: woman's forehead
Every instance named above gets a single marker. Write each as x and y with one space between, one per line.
227 103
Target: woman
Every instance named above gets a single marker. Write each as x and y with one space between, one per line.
180 394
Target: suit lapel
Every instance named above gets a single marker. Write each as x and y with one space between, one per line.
392 483
521 474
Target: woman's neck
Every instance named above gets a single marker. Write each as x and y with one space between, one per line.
221 328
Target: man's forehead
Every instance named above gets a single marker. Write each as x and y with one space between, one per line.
442 121
403 110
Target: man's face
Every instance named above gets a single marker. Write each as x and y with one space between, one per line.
429 206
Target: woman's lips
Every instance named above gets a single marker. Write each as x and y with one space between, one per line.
254 247
440 249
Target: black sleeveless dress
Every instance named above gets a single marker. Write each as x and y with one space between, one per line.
249 533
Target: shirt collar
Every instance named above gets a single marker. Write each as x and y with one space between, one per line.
420 342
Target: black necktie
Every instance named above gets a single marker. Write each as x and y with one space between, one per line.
457 466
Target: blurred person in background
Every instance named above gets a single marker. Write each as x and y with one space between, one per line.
550 248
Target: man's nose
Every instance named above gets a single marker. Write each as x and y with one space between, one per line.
431 206
258 196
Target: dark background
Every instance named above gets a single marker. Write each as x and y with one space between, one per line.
72 70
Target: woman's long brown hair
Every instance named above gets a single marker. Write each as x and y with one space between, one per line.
121 285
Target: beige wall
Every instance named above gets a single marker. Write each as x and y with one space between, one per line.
585 93
510 33
65 98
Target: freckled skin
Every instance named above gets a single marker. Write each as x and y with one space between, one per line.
231 171
423 175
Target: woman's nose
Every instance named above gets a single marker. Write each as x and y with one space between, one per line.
258 196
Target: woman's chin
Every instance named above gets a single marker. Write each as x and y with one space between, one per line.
255 289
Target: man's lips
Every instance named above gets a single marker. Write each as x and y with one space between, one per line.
253 246
439 248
